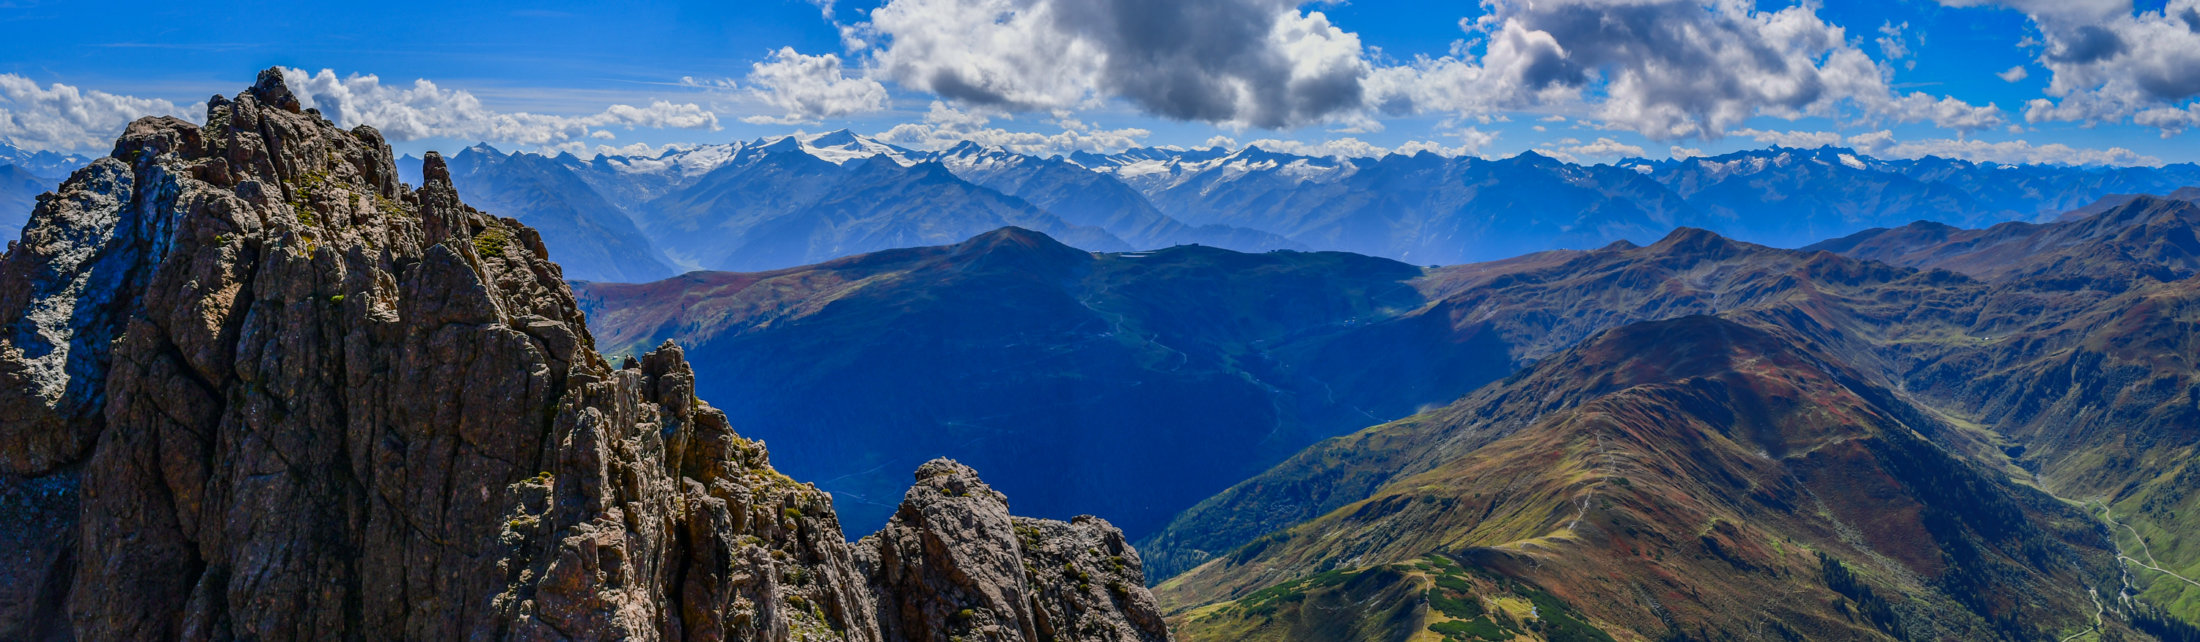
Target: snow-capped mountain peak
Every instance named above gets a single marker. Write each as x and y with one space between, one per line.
839 147
968 157
42 163
676 163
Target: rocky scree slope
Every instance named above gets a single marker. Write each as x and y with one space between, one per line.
252 386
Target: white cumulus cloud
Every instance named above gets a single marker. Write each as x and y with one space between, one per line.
1883 144
1347 147
1894 41
1261 63
1572 151
2013 152
422 109
1470 142
1668 69
807 89
59 117
945 126
2111 62
1799 139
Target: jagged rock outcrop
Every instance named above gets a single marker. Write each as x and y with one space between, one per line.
254 387
952 564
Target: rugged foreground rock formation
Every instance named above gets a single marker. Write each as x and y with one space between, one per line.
953 554
254 387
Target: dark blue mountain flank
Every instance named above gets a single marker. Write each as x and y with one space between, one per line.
590 238
19 190
1157 377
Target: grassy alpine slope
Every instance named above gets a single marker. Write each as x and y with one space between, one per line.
1686 470
1909 427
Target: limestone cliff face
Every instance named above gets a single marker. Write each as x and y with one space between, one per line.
252 386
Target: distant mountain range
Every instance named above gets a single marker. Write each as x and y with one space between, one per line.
794 200
42 163
590 234
25 175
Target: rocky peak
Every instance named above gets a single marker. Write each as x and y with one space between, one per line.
258 388
1020 250
1696 243
485 149
952 564
782 144
835 138
270 90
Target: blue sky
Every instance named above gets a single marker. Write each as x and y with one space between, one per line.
2077 81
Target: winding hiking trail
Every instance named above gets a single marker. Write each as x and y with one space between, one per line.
1606 468
2150 563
